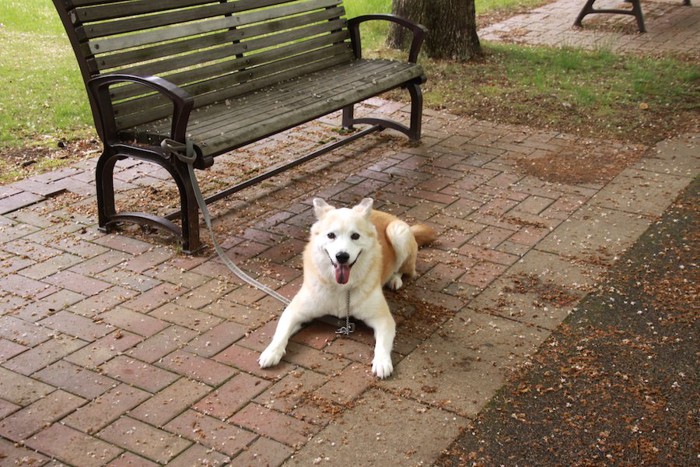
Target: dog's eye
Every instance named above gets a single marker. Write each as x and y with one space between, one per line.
331 236
355 236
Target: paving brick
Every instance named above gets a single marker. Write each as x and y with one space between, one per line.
347 385
265 452
22 424
76 326
247 360
167 273
202 294
106 408
193 366
260 338
148 259
106 300
75 379
21 390
145 440
133 321
316 334
154 298
98 352
231 396
170 402
41 270
194 319
15 454
129 459
127 279
18 201
39 309
100 263
159 345
482 274
314 359
25 286
273 424
140 374
217 339
6 408
294 395
9 349
212 433
199 455
124 244
43 354
77 283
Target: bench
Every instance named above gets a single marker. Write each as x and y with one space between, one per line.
216 75
635 10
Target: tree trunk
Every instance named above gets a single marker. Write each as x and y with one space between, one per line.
451 27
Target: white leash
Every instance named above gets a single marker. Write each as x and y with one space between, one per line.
186 154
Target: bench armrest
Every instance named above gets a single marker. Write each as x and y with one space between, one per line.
419 32
99 93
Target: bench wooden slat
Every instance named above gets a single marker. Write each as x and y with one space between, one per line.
311 88
114 61
225 58
223 88
254 116
150 29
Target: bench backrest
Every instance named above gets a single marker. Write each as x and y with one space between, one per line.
213 49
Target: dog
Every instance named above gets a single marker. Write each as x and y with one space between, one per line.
350 255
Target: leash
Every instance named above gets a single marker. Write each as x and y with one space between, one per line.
186 153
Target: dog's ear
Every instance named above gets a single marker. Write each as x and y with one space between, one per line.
321 208
365 207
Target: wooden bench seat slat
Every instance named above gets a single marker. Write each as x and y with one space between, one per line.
222 88
115 61
220 130
174 25
102 12
308 88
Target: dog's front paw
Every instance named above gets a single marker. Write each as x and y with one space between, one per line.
270 357
394 282
382 366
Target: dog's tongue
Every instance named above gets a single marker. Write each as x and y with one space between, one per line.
342 273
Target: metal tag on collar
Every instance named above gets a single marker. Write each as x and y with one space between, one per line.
347 329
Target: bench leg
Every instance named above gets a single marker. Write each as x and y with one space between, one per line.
189 210
108 217
587 9
104 183
416 111
348 117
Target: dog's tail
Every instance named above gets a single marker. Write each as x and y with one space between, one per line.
423 234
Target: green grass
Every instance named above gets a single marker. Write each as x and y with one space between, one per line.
42 96
594 93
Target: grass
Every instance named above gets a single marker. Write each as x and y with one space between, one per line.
593 93
43 100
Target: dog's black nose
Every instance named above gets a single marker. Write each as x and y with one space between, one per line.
342 257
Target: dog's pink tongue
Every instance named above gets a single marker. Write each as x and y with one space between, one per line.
342 273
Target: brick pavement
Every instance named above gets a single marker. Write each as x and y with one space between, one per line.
672 28
117 350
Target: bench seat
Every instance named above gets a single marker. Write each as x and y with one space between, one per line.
221 127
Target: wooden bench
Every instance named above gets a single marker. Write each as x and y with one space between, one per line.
217 75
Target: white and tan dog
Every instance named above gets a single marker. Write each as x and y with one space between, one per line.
351 253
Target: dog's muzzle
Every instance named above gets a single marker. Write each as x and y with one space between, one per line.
342 267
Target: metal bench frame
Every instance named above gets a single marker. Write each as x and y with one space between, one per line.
134 55
635 11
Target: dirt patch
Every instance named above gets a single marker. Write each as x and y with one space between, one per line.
578 165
